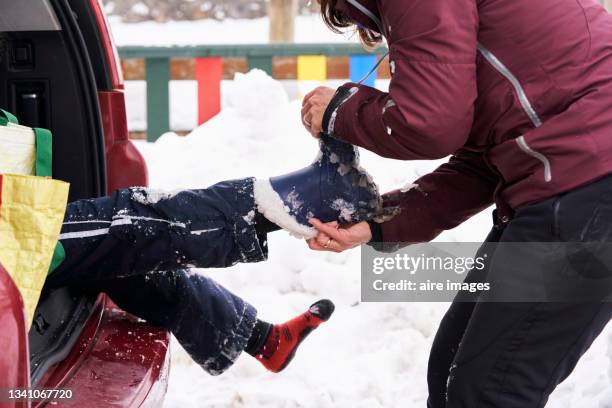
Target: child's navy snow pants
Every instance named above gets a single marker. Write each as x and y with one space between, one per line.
137 244
513 355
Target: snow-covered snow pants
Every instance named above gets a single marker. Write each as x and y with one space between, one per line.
137 245
513 355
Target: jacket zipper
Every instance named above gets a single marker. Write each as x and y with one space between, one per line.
525 103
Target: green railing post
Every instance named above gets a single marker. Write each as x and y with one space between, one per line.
158 97
263 62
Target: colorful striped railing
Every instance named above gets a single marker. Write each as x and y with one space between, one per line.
210 64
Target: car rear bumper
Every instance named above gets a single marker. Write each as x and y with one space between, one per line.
119 361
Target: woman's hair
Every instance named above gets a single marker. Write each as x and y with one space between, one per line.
337 20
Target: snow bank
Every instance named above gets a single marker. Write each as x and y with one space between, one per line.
255 94
367 355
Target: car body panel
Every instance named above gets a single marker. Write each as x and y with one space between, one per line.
106 37
15 361
125 166
119 361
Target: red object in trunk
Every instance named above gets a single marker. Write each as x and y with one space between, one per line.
15 361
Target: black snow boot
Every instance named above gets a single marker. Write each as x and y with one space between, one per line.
332 188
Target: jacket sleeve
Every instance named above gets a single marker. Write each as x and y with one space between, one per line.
440 200
428 111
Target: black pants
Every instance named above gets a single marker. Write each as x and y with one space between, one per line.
514 354
137 246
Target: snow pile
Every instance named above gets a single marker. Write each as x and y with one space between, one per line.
367 355
255 95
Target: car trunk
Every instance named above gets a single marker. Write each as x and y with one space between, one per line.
47 80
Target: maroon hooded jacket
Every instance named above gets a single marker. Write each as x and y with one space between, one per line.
518 92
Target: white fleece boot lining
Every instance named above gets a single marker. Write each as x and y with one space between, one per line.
270 204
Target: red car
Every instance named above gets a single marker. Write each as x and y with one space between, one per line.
59 70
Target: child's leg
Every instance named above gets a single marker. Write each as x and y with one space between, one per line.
137 230
133 245
212 324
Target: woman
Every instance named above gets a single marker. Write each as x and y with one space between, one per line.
518 93
137 244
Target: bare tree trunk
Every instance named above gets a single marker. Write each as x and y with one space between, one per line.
282 20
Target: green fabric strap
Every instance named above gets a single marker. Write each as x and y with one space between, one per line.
7 117
59 255
44 164
44 152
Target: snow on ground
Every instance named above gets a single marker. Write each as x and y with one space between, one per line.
308 29
368 355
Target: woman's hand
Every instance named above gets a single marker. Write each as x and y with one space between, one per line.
313 108
333 238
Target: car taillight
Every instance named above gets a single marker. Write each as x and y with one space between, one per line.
109 46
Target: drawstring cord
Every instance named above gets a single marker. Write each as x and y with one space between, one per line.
380 60
376 20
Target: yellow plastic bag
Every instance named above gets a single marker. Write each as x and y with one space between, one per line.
31 215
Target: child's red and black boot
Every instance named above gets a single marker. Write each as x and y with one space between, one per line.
274 345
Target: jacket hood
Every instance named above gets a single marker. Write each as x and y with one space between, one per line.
362 12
